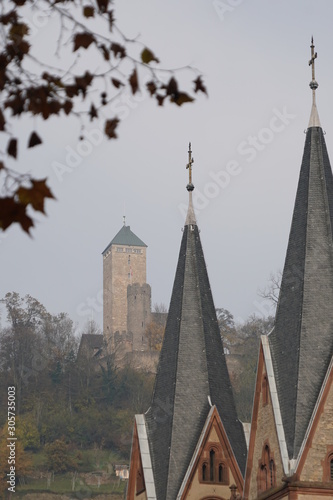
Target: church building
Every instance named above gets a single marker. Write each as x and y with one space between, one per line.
291 443
190 443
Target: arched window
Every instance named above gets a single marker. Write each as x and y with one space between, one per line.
328 466
204 472
266 473
211 465
221 473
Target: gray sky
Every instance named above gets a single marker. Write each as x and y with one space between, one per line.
254 56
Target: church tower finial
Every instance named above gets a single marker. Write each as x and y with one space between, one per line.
314 118
190 186
190 218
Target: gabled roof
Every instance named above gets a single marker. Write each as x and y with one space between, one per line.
192 373
302 339
125 237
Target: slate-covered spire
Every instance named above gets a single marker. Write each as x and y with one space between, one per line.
192 373
302 339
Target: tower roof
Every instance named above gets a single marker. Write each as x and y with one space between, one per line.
302 339
192 373
125 237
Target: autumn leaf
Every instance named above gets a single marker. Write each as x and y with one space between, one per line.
181 98
110 127
34 140
172 87
93 112
12 148
147 56
118 49
116 83
199 85
12 211
105 52
88 11
67 106
18 30
102 5
160 99
35 195
133 80
83 82
83 40
151 87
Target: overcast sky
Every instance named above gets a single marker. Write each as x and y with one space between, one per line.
253 55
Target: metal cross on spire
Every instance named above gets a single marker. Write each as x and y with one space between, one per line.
190 186
313 83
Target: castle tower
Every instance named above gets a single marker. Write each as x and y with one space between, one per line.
124 263
138 314
291 441
190 443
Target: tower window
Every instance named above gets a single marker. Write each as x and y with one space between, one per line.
129 276
331 469
119 249
220 473
129 259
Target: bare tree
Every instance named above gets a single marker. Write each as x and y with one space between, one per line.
272 290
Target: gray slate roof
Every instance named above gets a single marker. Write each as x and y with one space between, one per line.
192 367
302 339
125 237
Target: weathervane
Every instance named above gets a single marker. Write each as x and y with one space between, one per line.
190 186
313 84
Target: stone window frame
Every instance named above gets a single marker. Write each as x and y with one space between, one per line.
219 461
328 465
266 477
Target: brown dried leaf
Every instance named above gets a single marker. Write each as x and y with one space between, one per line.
160 99
12 148
88 11
118 49
172 87
181 98
151 87
10 17
199 85
116 83
34 140
105 51
93 112
133 81
67 106
110 128
83 40
102 5
147 56
12 211
35 195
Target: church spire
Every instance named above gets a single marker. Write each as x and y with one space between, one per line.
314 117
301 342
190 218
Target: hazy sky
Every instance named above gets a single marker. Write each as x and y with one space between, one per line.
247 139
